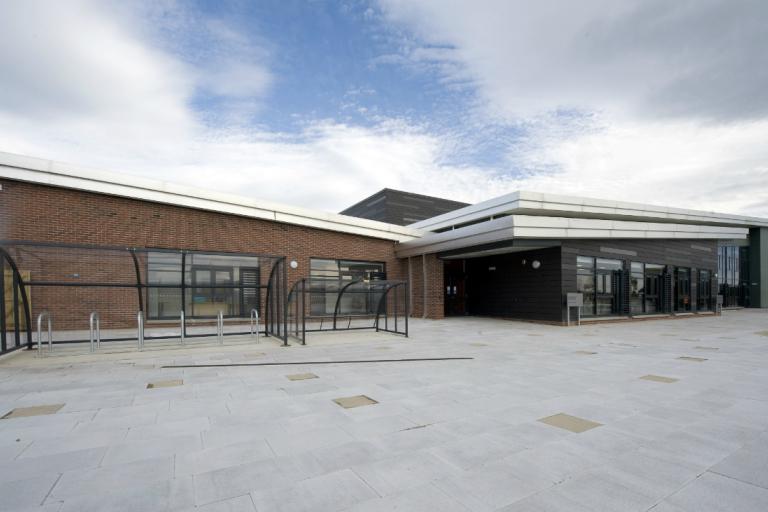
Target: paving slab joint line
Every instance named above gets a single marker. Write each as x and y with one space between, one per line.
51 489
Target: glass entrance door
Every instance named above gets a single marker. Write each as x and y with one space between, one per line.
682 289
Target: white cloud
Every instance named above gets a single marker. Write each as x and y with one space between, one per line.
670 98
85 85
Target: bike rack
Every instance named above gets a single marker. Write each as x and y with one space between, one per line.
182 327
44 314
94 321
255 316
220 327
140 337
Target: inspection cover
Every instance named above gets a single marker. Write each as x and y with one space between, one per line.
165 383
351 402
36 410
570 423
659 378
301 376
695 359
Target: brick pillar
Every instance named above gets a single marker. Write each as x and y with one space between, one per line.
426 295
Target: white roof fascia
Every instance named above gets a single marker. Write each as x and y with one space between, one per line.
534 203
542 227
47 172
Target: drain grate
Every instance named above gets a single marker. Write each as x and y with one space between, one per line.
350 402
694 359
659 378
35 410
570 423
301 376
165 384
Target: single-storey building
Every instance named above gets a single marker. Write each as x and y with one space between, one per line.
77 240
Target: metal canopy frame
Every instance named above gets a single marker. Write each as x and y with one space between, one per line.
386 306
114 267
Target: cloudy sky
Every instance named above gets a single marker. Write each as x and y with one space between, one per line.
320 104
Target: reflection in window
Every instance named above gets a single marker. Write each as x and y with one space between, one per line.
327 277
585 283
212 283
636 288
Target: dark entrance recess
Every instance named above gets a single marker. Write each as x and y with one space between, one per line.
521 284
454 277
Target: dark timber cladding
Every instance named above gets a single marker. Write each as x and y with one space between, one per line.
401 208
507 285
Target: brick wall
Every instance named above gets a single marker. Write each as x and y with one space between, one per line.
48 214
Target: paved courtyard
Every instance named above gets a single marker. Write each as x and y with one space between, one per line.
664 415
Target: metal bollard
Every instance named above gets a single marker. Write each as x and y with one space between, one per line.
220 327
140 338
182 327
95 324
255 316
46 315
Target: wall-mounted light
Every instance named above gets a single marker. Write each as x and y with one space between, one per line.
535 264
523 261
294 264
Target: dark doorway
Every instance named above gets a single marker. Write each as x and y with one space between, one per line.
454 278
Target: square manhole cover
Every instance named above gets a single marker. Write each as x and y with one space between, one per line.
35 410
570 423
350 402
301 376
659 378
694 359
165 383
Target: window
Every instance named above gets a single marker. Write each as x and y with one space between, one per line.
682 289
212 283
608 279
704 295
327 277
636 288
652 289
585 283
164 270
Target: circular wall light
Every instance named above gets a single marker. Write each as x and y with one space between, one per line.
294 264
535 263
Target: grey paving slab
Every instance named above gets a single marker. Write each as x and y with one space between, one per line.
426 497
388 476
715 493
334 491
748 464
27 493
452 435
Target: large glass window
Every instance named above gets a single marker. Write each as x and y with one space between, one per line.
704 291
585 283
636 288
163 269
327 277
682 289
652 289
607 279
212 283
733 275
